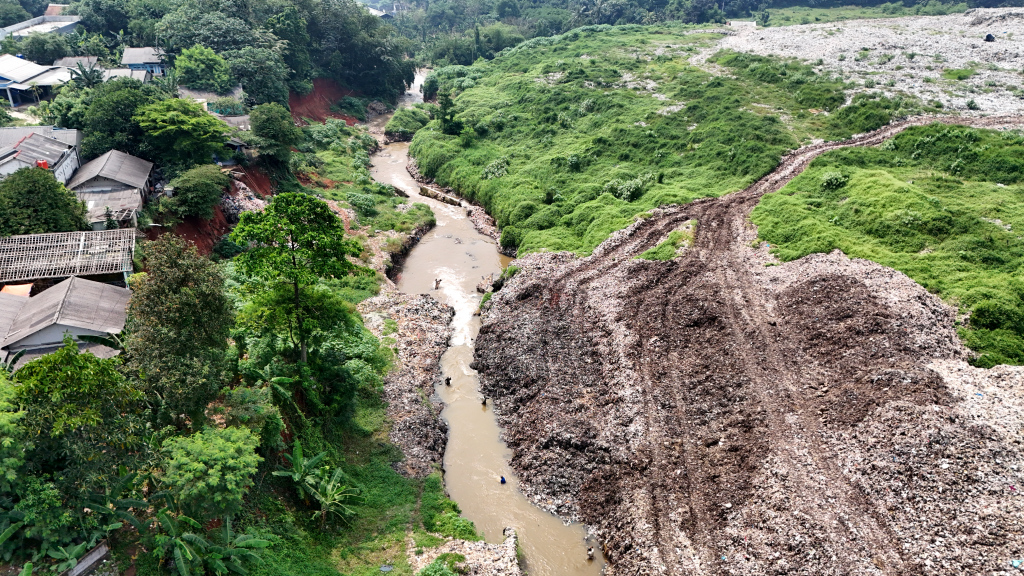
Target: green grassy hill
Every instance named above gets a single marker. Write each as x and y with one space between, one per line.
942 204
565 139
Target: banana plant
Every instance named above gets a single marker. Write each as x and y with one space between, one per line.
179 541
303 470
113 508
230 557
333 496
67 557
8 365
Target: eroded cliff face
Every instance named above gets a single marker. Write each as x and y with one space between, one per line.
719 413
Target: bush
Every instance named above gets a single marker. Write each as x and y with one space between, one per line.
210 471
405 123
196 192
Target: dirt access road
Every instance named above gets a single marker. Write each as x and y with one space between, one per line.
714 415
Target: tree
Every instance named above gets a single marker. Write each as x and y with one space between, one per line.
177 328
302 470
446 113
13 446
82 415
290 26
12 13
181 132
45 48
212 469
275 131
293 243
32 201
87 77
196 192
261 72
200 68
109 122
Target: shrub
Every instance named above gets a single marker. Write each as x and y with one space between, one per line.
404 124
833 180
196 192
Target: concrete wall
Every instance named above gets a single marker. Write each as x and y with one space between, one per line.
67 25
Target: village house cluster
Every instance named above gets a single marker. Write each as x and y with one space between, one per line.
72 283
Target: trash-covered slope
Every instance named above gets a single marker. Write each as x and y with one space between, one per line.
721 414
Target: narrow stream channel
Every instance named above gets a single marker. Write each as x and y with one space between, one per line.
475 458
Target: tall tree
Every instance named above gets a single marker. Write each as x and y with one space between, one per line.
261 72
295 242
181 132
109 121
200 68
177 328
32 201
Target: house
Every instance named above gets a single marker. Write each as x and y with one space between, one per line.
114 170
41 25
62 254
116 181
19 76
121 206
87 62
75 307
11 135
40 151
140 75
147 58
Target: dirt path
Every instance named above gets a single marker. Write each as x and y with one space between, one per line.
704 412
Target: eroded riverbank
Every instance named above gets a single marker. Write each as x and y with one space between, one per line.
475 458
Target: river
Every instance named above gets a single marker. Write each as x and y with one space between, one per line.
475 458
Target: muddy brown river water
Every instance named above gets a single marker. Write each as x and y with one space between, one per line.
476 458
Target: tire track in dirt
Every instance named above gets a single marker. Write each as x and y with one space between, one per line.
680 407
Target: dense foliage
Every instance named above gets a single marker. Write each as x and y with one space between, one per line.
32 201
941 204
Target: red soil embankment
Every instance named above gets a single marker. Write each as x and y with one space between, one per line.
203 233
316 105
256 179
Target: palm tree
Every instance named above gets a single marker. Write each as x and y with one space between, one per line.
87 77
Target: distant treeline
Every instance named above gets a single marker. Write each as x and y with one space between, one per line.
460 31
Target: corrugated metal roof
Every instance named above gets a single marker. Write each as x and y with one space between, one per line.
73 61
63 254
10 306
121 203
146 55
114 165
14 134
38 147
74 302
18 69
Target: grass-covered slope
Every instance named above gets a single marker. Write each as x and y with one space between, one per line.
942 204
565 139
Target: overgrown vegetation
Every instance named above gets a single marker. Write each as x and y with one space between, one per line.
565 139
939 203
